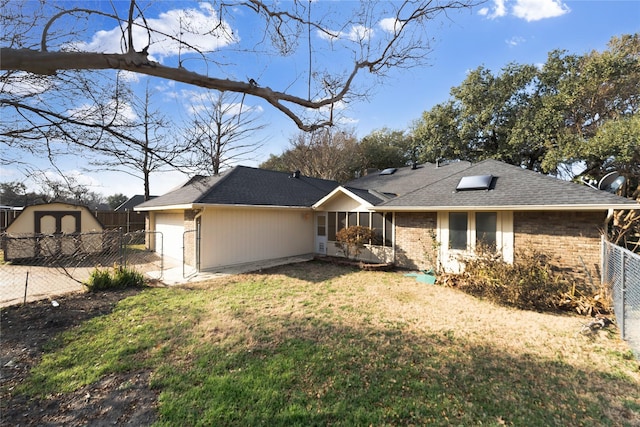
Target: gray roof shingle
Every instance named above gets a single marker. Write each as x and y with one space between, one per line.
407 179
512 187
247 186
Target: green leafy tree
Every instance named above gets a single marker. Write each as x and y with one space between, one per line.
547 118
116 200
386 148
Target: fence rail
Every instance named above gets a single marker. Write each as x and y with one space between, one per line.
621 269
43 266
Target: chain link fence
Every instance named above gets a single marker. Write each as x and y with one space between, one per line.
621 269
43 266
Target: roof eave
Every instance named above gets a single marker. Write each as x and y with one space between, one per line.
217 205
346 192
508 208
165 207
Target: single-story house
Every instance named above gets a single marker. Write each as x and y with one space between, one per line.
244 215
423 216
52 229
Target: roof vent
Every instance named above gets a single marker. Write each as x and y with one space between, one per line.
389 171
475 182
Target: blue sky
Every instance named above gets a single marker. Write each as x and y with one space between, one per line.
492 35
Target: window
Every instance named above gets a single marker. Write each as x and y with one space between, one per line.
332 226
458 230
486 224
388 229
381 224
342 220
353 219
363 219
322 225
377 226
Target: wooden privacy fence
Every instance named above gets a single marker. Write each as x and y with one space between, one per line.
128 221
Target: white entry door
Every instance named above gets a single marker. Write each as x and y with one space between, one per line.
321 234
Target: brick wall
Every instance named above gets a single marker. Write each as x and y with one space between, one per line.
414 245
572 239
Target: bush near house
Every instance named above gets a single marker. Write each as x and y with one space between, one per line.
351 240
532 282
115 278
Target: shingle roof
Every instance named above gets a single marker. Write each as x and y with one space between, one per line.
131 203
512 187
407 179
246 186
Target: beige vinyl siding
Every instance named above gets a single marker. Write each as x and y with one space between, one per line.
234 236
171 226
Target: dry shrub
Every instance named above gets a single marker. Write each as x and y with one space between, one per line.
351 240
532 282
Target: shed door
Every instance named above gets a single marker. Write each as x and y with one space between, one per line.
171 225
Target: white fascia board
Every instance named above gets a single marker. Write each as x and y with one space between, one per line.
238 206
344 191
220 206
166 208
507 208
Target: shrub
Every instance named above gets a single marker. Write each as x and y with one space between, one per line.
116 278
351 240
532 282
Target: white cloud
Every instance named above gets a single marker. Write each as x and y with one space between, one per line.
497 11
390 25
515 41
356 33
25 84
529 10
535 10
197 29
90 113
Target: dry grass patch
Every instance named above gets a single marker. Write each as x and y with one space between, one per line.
317 344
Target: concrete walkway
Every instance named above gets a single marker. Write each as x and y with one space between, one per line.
178 275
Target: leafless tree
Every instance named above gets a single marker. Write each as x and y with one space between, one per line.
149 146
222 131
326 153
376 35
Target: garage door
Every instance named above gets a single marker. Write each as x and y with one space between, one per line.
172 228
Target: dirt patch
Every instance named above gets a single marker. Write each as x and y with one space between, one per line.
114 400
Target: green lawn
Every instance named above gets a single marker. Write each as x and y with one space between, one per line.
316 344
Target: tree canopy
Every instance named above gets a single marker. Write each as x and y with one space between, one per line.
574 109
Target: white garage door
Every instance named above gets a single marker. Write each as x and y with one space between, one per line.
172 228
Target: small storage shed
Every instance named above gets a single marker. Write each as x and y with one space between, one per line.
52 229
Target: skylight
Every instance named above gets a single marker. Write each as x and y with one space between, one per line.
475 182
389 171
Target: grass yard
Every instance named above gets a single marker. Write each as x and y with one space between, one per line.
317 344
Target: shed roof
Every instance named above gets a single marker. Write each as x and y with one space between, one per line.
245 186
512 188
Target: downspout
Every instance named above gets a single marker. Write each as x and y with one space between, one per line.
607 222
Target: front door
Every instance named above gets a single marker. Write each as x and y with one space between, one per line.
321 234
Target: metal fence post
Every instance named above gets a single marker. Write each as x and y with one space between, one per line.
623 293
